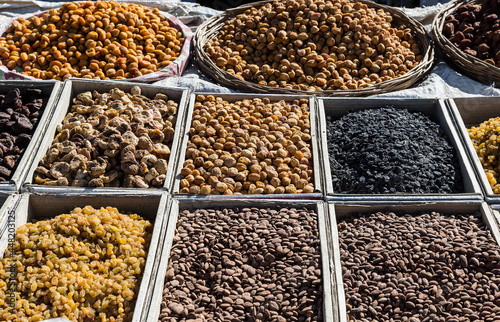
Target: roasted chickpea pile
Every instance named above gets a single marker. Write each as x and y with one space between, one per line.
314 45
248 147
102 40
83 266
486 140
113 139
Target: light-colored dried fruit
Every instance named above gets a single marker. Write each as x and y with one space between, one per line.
314 45
102 39
250 149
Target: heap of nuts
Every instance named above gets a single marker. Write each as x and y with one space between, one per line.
245 264
102 39
248 147
82 266
486 140
419 267
475 29
19 115
314 45
113 139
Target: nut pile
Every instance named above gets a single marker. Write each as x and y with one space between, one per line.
475 29
314 45
113 139
19 115
84 266
244 265
102 39
389 150
248 147
485 139
428 267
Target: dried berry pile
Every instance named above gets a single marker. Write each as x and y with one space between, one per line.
84 266
428 267
113 139
19 115
390 150
485 141
244 265
314 45
475 29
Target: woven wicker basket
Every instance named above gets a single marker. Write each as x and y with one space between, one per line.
210 29
471 66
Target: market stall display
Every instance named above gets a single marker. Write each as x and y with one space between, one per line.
249 144
418 262
102 40
234 209
111 135
467 33
264 260
326 48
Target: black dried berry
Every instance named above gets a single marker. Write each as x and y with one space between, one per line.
388 150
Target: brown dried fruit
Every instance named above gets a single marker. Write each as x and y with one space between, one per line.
228 162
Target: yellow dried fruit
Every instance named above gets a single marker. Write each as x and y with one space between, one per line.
486 140
90 266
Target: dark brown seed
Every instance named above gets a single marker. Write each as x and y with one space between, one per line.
222 277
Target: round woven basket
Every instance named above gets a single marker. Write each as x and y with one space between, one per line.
176 68
210 29
469 65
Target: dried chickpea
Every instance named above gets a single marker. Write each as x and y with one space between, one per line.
306 45
86 265
114 139
102 40
252 147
